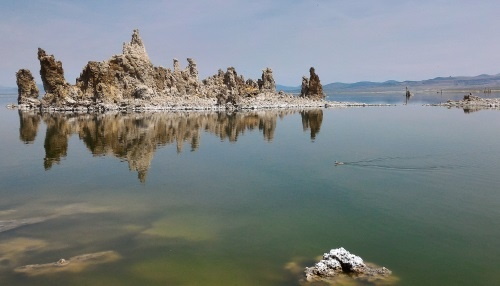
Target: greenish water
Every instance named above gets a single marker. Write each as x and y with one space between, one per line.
238 199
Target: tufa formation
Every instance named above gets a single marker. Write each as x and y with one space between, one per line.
130 80
26 87
311 87
340 263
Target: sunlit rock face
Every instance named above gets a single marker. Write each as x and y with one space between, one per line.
134 137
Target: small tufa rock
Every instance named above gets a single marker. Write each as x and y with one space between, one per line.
26 86
312 87
340 262
267 83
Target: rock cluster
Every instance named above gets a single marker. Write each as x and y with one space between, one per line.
311 87
472 103
340 262
129 80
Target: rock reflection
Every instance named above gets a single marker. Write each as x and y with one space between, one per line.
312 119
28 126
134 137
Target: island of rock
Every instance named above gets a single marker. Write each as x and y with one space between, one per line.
340 263
471 103
129 81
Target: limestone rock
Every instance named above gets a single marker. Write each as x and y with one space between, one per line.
471 103
266 83
230 81
57 90
26 86
119 78
177 66
312 87
51 71
193 70
305 87
131 80
340 262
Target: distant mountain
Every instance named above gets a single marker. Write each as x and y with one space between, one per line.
479 82
13 90
8 90
288 88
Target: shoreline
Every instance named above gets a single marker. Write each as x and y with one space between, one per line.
471 102
263 101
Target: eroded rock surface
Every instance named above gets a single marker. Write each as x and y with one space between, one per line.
130 81
311 87
58 92
266 83
340 264
26 87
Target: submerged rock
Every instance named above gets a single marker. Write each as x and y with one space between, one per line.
71 209
341 264
73 264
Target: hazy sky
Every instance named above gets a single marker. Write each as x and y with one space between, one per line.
346 41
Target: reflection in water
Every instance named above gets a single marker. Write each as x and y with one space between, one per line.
134 137
28 126
312 119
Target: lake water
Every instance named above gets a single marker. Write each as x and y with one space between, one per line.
250 198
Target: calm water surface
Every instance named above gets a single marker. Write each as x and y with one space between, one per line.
248 198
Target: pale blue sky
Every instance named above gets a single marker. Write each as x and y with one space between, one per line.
346 41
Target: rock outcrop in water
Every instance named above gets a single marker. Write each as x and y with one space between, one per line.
311 87
471 103
339 263
26 86
130 81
